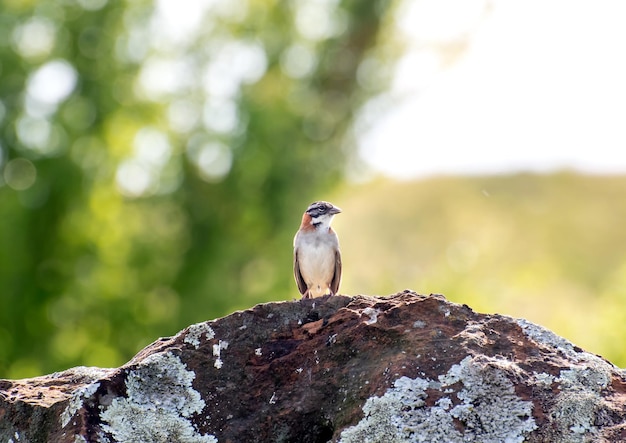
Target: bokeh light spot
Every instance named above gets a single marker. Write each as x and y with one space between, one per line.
214 161
34 38
183 116
161 76
52 83
233 63
152 147
221 116
298 61
20 174
79 113
34 132
133 178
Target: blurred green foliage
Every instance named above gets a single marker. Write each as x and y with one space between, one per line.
549 248
155 159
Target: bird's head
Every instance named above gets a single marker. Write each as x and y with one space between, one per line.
322 213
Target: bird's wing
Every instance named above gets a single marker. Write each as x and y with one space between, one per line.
334 284
296 273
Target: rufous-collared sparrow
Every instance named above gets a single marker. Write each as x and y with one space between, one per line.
316 255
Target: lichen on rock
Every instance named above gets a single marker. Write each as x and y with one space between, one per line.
76 402
476 393
160 399
194 334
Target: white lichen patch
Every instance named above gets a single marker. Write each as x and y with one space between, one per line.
543 380
196 332
372 314
160 400
87 375
482 399
543 336
591 377
76 402
579 399
217 352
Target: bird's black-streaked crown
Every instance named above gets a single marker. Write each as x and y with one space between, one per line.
319 208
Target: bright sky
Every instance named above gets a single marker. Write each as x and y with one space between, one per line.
541 86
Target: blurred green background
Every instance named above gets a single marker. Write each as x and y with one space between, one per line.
155 161
548 248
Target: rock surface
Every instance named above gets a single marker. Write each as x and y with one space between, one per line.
347 369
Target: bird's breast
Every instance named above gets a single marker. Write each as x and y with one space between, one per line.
316 256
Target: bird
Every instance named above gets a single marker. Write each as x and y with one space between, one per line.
316 254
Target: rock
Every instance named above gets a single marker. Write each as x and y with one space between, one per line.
347 369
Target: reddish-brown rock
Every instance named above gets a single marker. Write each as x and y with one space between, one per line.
347 369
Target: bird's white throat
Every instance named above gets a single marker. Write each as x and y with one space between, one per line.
322 223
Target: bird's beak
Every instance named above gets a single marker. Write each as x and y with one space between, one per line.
334 210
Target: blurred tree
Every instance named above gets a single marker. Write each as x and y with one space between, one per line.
155 159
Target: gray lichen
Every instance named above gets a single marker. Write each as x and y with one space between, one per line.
217 353
160 400
76 402
195 333
579 400
83 374
546 337
372 314
476 392
579 397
